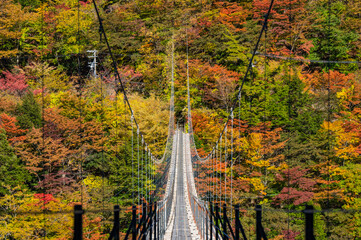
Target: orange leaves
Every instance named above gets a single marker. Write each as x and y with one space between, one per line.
205 126
92 228
13 131
260 146
217 82
39 153
345 141
318 82
229 14
232 15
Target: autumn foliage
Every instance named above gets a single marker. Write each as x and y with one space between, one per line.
68 137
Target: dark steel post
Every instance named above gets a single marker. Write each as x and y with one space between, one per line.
216 215
236 216
309 222
151 221
155 221
134 223
116 222
78 222
144 216
258 222
225 236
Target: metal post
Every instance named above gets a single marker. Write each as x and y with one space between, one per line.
134 223
217 225
236 216
225 222
116 222
78 222
144 216
309 222
258 222
155 220
151 221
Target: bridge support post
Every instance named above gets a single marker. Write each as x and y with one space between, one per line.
309 223
151 212
116 222
134 223
217 225
144 217
224 222
237 221
78 222
155 221
258 222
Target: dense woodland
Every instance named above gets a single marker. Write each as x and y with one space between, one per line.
67 137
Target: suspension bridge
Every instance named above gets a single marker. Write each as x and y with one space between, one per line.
193 195
181 211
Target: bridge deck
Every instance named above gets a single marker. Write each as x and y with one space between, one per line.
181 228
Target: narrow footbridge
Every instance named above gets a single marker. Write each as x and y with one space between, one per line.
182 206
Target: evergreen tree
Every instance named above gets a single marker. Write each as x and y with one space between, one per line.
11 171
29 112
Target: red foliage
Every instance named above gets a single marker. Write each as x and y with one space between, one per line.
13 83
219 82
232 15
287 24
56 182
299 188
44 199
290 235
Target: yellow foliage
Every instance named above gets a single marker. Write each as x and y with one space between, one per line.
345 145
152 115
24 218
93 182
257 184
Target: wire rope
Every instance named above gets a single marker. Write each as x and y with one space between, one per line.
225 164
232 149
132 139
250 64
138 162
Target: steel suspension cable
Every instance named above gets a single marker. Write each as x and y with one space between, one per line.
250 64
232 146
138 162
133 187
115 69
225 165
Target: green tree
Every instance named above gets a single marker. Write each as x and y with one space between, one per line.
11 171
29 112
330 39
